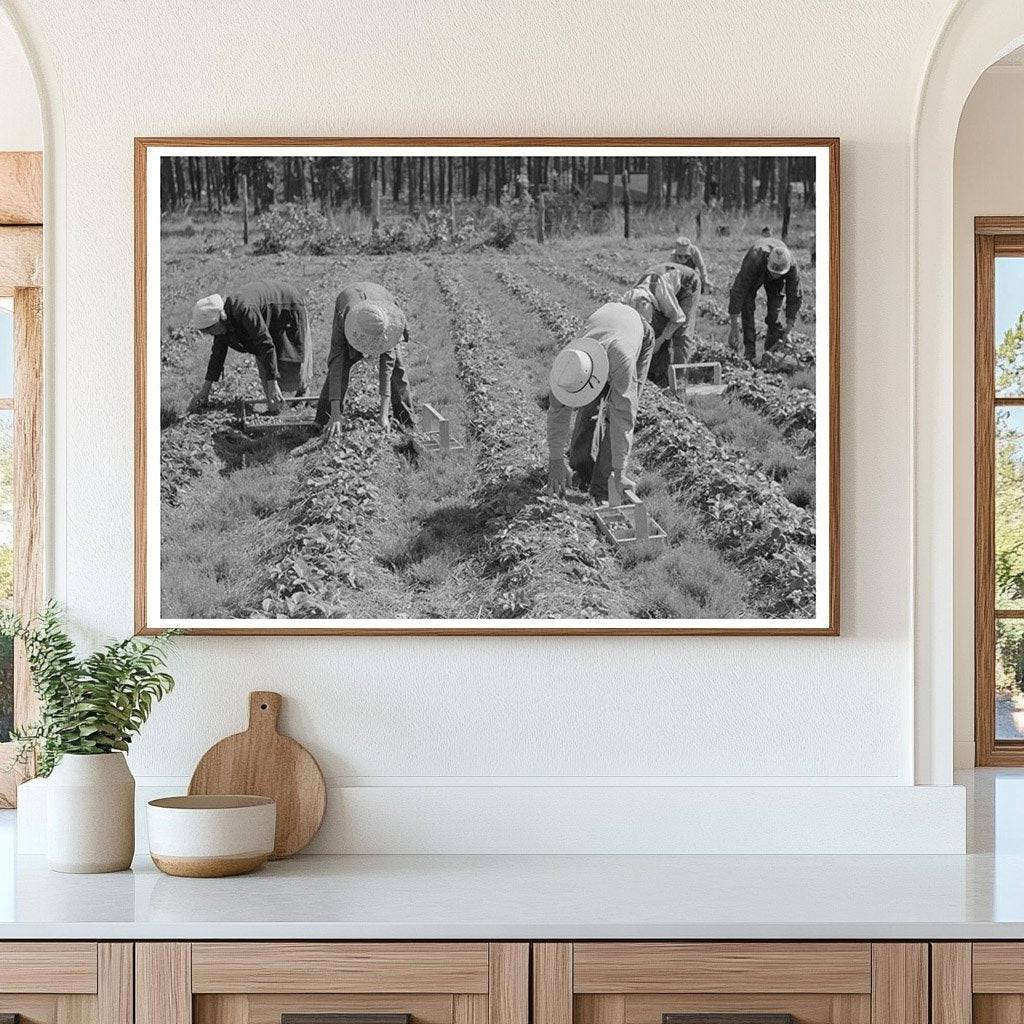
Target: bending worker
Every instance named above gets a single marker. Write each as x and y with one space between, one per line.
267 320
688 254
666 297
599 375
770 265
367 323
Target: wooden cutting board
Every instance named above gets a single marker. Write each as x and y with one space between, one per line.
262 762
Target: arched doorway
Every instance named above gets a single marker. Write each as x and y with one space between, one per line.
975 35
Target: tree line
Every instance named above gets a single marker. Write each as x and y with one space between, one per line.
426 182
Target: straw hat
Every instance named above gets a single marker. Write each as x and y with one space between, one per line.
579 372
374 328
780 259
207 312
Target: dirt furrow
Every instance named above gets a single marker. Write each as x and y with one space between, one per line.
545 551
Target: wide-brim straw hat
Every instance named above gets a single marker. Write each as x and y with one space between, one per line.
579 372
374 328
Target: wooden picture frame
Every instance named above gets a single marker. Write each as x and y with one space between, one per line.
827 448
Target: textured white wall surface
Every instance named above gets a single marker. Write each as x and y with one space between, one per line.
395 711
21 123
988 181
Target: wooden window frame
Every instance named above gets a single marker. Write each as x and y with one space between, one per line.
21 277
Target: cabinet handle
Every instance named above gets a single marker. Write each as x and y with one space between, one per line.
337 1018
728 1018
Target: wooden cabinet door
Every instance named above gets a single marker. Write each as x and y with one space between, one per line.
66 982
302 982
737 982
979 982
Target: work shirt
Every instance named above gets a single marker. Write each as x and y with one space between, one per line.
753 274
676 280
629 342
265 319
344 356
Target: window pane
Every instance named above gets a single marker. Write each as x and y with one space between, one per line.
1009 679
6 567
6 348
1009 484
1009 322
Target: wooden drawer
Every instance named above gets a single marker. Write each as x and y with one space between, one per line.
814 982
48 967
66 982
259 982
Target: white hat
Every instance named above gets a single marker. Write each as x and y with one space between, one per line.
207 312
374 327
780 259
579 372
640 298
683 244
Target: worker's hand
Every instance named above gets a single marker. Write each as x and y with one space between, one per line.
734 333
332 432
559 475
201 399
275 400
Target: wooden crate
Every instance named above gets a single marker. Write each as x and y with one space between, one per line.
682 374
437 437
246 407
629 523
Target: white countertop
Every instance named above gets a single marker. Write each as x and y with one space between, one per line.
532 897
978 896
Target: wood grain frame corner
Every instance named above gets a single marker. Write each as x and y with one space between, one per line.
993 236
831 144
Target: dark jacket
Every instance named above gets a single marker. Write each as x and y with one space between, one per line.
266 319
753 274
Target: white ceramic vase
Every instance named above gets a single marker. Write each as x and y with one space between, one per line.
90 814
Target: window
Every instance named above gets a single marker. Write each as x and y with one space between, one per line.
999 490
6 510
21 375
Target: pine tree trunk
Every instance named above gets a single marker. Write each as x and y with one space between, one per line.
784 195
749 170
626 201
396 181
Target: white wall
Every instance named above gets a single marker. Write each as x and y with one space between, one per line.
21 124
443 713
988 180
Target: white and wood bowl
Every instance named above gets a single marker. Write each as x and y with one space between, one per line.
211 836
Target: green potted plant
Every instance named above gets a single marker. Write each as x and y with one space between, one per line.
89 710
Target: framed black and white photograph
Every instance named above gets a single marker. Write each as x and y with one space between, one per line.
487 386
